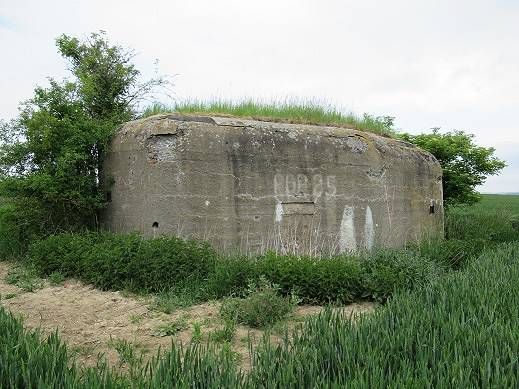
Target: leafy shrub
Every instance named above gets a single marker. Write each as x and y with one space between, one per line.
189 271
342 279
14 236
314 280
60 253
231 276
262 306
167 261
123 261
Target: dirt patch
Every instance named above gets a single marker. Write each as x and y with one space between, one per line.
92 322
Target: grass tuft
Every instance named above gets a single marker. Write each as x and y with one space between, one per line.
25 278
173 327
262 306
226 333
299 112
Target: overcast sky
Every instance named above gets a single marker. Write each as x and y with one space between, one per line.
448 64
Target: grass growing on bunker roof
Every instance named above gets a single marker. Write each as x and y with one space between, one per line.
302 112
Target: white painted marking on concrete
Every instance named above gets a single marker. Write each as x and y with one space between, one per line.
279 213
347 240
369 230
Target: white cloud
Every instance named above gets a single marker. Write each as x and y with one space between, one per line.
441 63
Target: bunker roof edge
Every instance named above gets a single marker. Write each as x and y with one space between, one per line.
148 127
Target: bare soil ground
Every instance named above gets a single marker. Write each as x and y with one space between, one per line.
92 321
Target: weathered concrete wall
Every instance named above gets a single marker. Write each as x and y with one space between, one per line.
255 186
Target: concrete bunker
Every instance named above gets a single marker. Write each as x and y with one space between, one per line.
256 186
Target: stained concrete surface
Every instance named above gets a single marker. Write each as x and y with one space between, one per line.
253 186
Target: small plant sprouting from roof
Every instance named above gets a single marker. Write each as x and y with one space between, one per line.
303 112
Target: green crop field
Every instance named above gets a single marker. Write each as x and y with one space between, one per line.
494 218
492 203
448 313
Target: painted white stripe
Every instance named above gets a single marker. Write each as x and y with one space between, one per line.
278 213
347 240
369 230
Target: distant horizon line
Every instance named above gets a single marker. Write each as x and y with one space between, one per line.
500 193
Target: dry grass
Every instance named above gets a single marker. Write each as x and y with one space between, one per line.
300 112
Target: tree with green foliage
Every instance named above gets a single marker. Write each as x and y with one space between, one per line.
465 165
51 155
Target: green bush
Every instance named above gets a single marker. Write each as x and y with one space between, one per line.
262 305
107 262
168 261
192 271
231 276
60 253
123 261
314 280
342 279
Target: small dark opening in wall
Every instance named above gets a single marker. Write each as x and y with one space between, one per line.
155 225
431 209
108 197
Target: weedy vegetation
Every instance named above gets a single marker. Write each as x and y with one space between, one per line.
25 278
186 272
226 333
127 352
56 278
289 111
173 327
196 336
262 305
